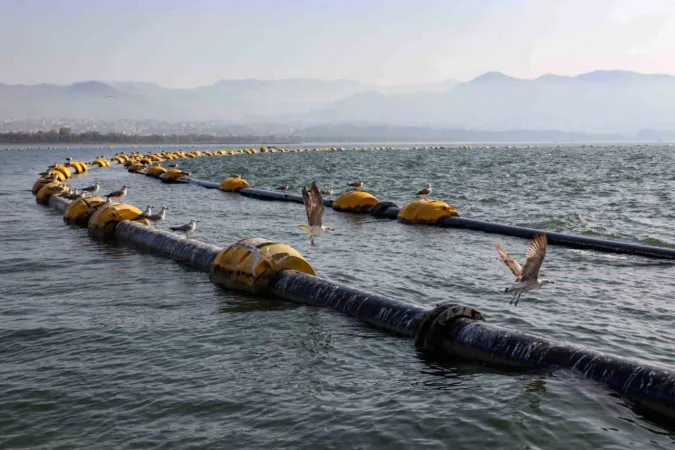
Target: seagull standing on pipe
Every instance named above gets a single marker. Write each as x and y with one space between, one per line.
283 188
329 192
146 213
93 188
314 207
118 194
157 218
187 228
527 277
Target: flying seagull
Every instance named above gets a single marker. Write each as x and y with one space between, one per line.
314 207
356 184
527 277
187 228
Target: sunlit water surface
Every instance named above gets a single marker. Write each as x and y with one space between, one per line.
103 346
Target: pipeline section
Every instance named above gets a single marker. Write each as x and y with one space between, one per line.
559 239
450 330
650 385
194 253
399 318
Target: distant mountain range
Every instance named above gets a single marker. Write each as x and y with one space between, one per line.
595 102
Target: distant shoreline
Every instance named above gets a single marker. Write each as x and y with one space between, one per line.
65 137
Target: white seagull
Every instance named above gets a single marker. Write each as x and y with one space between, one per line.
329 192
118 194
356 184
283 189
314 207
93 188
187 228
424 192
157 218
527 277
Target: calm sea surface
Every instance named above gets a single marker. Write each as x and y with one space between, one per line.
103 346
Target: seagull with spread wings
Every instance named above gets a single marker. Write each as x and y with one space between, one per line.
314 207
527 276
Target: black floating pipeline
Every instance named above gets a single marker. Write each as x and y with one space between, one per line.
258 266
437 213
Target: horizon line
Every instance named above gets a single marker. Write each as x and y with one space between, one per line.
334 80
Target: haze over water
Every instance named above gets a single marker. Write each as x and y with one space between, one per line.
104 346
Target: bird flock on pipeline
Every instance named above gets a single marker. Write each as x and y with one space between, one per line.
526 276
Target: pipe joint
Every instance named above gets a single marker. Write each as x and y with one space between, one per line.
437 324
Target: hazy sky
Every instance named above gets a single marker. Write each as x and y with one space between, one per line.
185 43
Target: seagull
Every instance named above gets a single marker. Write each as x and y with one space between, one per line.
118 194
314 207
187 228
157 218
356 184
426 191
71 195
283 188
527 277
146 213
236 175
329 192
93 188
173 166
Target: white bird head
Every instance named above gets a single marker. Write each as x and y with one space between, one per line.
328 229
545 281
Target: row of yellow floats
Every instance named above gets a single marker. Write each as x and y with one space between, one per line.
418 211
247 265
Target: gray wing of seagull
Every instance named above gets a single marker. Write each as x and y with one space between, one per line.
307 200
535 257
115 193
316 215
186 227
510 262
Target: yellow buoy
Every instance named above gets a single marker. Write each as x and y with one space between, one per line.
355 201
63 170
426 211
233 184
250 264
136 168
80 210
174 174
155 171
41 182
104 220
49 189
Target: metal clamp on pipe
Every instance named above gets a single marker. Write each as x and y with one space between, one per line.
437 326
